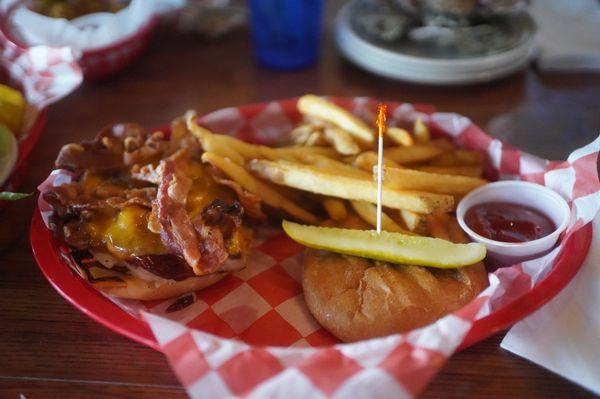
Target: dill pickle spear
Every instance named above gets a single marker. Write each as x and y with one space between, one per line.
389 247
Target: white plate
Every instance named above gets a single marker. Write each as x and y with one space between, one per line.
412 68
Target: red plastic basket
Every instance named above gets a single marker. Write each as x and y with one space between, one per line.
91 302
100 308
106 61
100 62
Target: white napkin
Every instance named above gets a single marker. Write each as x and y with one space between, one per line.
91 30
564 335
569 34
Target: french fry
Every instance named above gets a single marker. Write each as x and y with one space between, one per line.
251 151
416 222
301 135
294 151
437 227
458 198
316 138
400 136
408 179
470 157
267 194
246 150
368 159
209 142
368 212
312 120
179 128
332 165
341 140
445 225
109 284
320 108
212 144
451 228
412 154
335 208
459 157
461 170
444 143
308 135
421 131
318 181
456 233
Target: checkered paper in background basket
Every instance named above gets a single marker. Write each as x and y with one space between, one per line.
44 75
251 335
103 42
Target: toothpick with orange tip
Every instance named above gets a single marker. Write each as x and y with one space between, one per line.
381 130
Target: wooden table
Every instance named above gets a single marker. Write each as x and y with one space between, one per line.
51 350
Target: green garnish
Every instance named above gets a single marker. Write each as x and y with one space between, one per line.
8 196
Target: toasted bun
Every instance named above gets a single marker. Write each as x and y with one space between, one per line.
136 288
356 298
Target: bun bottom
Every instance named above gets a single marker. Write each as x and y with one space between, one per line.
136 288
355 298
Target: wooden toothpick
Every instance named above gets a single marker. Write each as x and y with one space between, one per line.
381 129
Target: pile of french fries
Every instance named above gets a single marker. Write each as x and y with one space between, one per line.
329 171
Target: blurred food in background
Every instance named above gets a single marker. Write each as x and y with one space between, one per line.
423 41
103 42
108 35
437 41
212 19
70 9
461 27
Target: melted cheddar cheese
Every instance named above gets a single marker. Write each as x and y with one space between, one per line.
124 233
204 190
128 234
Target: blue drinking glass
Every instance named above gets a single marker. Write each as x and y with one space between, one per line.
286 32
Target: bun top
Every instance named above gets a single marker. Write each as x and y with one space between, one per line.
356 298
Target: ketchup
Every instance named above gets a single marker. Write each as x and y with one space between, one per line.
503 221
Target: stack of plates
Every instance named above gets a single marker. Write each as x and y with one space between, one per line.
429 66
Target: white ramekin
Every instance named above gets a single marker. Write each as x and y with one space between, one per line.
523 193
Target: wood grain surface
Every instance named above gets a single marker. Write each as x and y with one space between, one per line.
51 350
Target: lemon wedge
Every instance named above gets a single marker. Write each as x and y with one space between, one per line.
12 108
8 152
389 247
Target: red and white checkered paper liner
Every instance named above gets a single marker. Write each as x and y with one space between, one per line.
102 43
251 335
44 75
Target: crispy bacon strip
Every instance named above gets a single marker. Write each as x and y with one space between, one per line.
250 201
212 246
147 173
123 157
69 200
167 266
217 223
176 229
201 242
103 153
